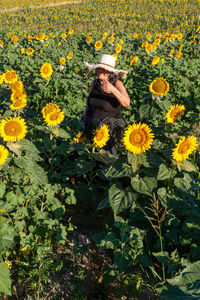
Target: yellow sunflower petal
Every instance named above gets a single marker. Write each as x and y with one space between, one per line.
3 155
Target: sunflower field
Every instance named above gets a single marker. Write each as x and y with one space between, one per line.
76 221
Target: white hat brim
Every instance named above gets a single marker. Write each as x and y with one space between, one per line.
122 73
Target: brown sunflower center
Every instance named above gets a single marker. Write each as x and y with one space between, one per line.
45 70
99 135
17 103
176 113
17 95
54 116
12 128
183 147
159 86
137 137
10 75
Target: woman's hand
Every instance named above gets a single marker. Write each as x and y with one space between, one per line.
106 86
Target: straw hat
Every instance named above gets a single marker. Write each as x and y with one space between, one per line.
107 62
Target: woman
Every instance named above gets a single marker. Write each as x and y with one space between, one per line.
106 96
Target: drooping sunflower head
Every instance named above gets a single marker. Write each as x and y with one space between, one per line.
46 70
138 138
184 148
13 129
80 137
159 86
3 155
101 136
155 60
10 76
105 35
48 108
18 95
175 111
54 118
17 85
134 60
18 104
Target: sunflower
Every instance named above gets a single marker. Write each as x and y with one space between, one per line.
144 44
138 138
71 31
171 52
30 51
1 43
118 48
148 48
178 54
105 35
17 85
184 148
134 60
80 137
111 39
22 50
54 118
19 104
62 61
70 56
115 56
76 69
13 129
159 86
40 36
49 107
155 60
10 76
89 39
46 70
3 155
98 45
157 41
174 112
18 95
63 36
121 42
179 36
101 136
